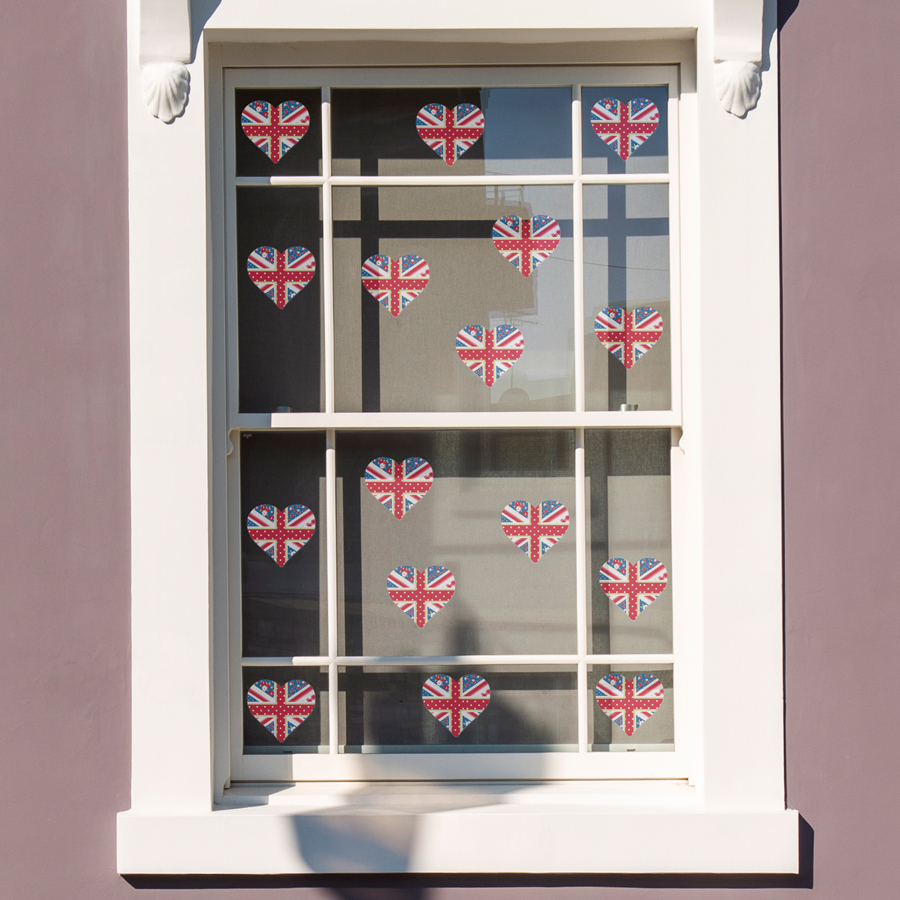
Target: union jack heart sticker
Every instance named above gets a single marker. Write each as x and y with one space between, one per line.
633 586
450 131
526 243
395 283
490 352
628 335
534 528
281 276
456 704
624 126
280 708
275 129
399 486
421 594
280 533
629 702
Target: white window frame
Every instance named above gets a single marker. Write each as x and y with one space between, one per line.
721 811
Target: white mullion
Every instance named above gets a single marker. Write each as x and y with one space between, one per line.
331 593
530 659
581 588
578 248
327 253
446 180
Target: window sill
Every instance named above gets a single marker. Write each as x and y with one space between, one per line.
504 828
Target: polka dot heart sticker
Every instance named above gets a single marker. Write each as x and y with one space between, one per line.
280 708
629 702
421 595
534 528
526 243
399 486
450 131
281 276
280 533
395 283
490 352
275 129
628 335
633 586
456 704
624 126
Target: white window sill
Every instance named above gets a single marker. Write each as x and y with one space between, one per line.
506 828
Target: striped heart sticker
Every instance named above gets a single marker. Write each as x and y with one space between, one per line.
534 528
399 486
628 335
629 702
281 276
450 131
281 708
526 243
395 283
421 595
275 129
624 126
490 353
280 533
456 704
633 586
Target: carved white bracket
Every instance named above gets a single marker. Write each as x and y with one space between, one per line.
737 48
164 51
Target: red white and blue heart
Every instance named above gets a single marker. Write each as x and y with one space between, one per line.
490 352
399 486
633 586
450 130
280 708
534 528
628 335
395 283
526 243
275 129
629 702
624 126
456 704
280 533
281 276
421 595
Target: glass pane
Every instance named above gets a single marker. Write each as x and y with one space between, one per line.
639 146
270 713
484 131
503 602
384 710
406 358
629 521
283 605
626 283
641 699
264 124
279 299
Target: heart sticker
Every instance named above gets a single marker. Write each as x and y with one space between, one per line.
280 532
281 708
534 529
275 129
281 276
421 594
628 335
489 353
399 486
395 283
624 126
526 243
633 586
629 702
450 131
456 704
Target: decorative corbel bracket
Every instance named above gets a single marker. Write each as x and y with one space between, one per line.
165 49
737 47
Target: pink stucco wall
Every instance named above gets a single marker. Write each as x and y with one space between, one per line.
64 535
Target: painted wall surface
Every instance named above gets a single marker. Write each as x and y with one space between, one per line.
64 535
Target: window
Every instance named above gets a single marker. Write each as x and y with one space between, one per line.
292 404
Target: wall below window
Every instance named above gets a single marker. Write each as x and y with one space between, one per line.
64 538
